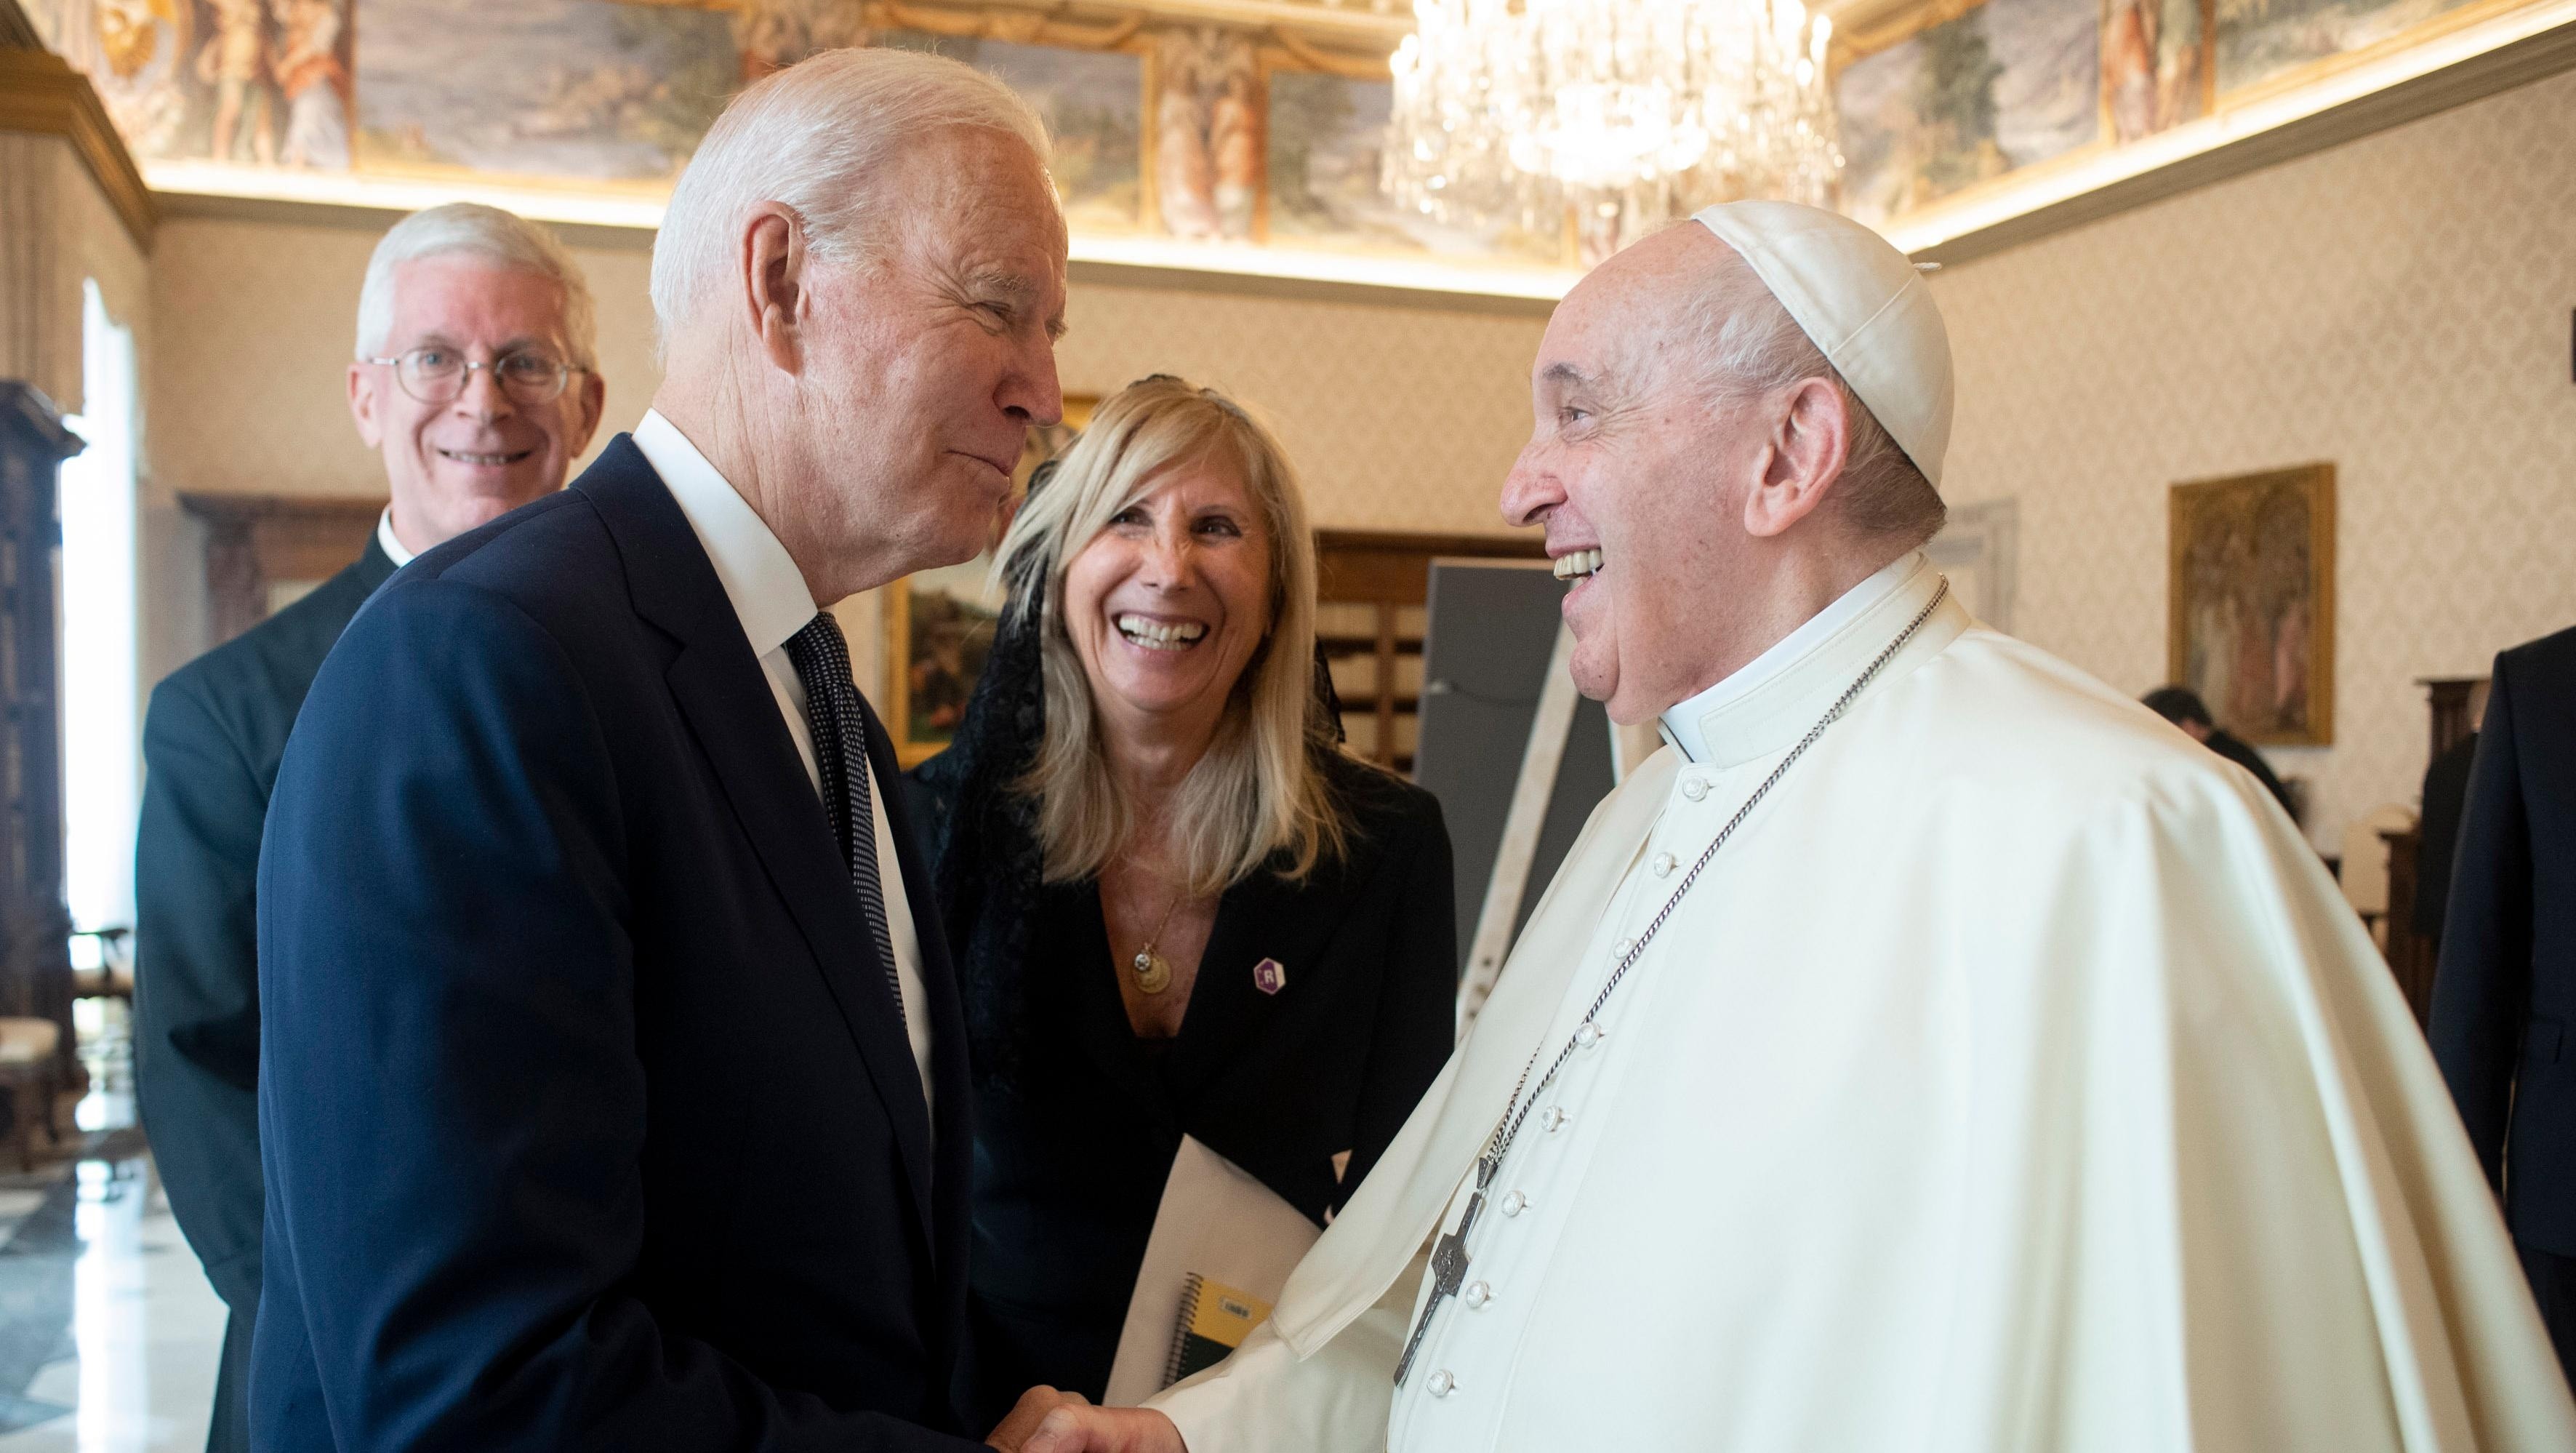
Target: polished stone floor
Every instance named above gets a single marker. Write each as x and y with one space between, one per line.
108 1331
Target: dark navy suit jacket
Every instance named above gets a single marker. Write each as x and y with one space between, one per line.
211 745
587 1115
2504 1000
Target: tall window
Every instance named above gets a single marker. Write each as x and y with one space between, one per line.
101 746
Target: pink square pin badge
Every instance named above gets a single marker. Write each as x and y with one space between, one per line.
1270 976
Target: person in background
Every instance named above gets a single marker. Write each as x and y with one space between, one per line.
2446 801
476 384
2504 998
1180 908
2183 707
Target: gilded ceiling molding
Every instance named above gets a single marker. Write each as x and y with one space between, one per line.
1017 27
1072 22
17 32
41 94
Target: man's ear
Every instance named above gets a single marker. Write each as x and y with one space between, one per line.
1802 460
774 263
364 403
594 402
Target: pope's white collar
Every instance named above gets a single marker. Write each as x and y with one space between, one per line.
1692 725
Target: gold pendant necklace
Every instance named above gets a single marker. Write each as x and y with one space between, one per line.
1153 971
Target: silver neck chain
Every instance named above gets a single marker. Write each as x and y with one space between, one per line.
1508 1129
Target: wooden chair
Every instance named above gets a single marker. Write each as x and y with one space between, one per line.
27 1071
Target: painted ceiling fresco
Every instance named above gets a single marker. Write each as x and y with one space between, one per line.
1243 137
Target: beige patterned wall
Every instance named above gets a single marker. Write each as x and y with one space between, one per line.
2399 306
1403 416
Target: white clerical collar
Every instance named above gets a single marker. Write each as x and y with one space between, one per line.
1710 727
388 541
760 578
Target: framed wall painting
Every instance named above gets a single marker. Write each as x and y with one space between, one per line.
939 623
2251 597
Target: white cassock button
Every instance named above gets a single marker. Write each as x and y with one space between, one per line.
1694 788
1587 1034
1476 1294
1553 1118
1442 1384
1515 1203
1623 948
1664 864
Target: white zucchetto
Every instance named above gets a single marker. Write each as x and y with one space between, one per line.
1863 304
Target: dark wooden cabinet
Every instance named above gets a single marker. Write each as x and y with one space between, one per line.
35 925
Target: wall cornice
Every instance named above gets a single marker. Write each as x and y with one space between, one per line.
41 94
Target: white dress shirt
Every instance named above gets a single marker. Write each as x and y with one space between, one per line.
770 598
390 542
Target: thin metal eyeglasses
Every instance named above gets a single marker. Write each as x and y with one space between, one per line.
438 375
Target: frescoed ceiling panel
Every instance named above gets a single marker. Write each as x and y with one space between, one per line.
1223 135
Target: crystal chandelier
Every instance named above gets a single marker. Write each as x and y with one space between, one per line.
1611 117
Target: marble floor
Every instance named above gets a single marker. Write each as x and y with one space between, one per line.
109 1333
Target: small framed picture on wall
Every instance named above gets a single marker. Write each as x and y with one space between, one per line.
2251 597
939 623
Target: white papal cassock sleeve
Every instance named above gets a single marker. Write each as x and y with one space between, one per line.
1264 1399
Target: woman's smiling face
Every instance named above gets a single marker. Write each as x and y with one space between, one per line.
1168 603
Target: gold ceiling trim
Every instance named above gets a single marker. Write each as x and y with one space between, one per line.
17 32
40 93
1067 22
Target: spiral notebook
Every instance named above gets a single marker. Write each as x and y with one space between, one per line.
1222 1248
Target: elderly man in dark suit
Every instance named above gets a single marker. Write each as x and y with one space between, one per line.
475 380
615 1095
2504 998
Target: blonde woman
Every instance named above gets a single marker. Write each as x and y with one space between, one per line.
1178 906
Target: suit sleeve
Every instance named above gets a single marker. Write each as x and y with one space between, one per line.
196 992
2482 990
1417 1021
452 1099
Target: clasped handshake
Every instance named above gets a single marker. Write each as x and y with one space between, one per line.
1048 1421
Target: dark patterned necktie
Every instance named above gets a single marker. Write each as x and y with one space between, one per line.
840 726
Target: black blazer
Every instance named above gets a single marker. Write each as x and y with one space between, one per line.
588 1119
211 742
1072 1149
2504 999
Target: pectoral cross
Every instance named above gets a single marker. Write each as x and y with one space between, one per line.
1448 1267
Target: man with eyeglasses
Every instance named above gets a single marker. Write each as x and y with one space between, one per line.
475 380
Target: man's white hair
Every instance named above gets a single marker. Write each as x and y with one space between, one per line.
472 229
1742 343
811 138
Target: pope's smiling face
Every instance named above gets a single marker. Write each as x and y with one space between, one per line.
1167 604
478 456
1635 468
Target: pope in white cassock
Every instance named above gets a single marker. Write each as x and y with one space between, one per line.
1930 1049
